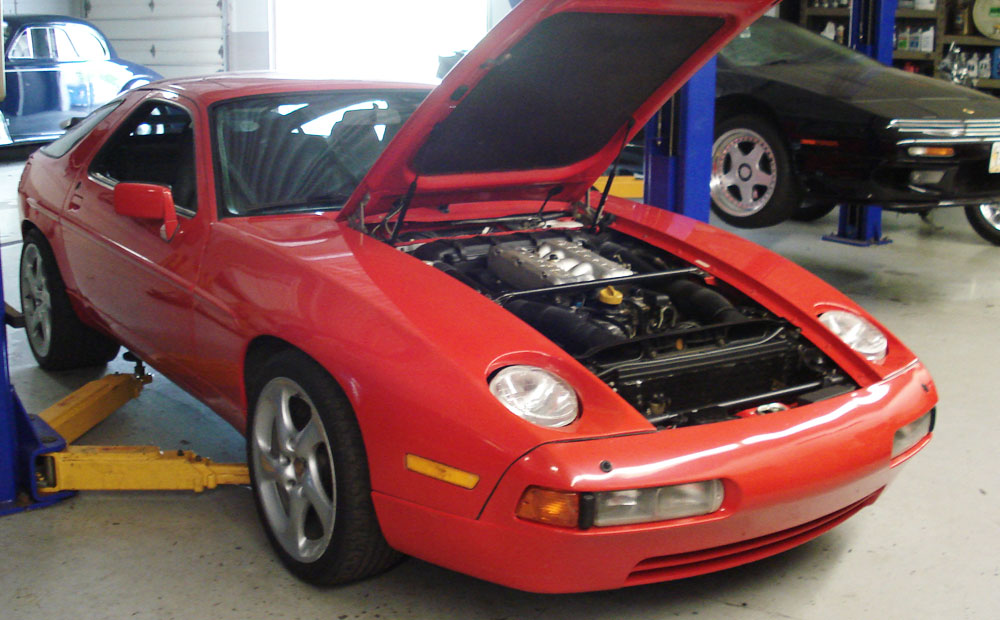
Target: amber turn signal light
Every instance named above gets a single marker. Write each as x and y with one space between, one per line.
550 507
931 151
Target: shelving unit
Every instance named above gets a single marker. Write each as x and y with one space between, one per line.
815 18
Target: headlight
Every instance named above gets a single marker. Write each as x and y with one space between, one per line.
857 333
657 504
911 434
536 395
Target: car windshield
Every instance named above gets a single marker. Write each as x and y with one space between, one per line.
772 41
302 151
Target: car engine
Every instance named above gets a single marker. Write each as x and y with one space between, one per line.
677 344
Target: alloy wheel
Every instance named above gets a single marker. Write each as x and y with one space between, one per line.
36 300
744 172
293 468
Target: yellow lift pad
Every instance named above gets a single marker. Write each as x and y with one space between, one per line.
120 468
135 468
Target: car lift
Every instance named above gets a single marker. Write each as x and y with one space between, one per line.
39 468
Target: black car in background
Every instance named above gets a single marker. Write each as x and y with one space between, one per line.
57 68
804 124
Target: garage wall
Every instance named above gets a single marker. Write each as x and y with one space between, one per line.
174 37
73 8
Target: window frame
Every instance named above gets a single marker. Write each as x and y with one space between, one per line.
109 182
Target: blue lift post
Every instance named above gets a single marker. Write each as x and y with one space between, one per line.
870 33
678 149
23 438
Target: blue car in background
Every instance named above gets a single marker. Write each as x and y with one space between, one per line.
58 68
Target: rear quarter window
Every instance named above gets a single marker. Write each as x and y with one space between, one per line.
76 133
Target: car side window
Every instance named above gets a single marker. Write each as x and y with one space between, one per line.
155 144
64 49
88 45
22 46
33 44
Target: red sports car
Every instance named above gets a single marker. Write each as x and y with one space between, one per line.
441 342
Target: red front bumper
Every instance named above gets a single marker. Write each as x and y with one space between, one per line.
788 477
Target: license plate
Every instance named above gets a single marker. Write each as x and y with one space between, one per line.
995 158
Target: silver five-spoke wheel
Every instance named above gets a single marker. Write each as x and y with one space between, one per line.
309 470
743 172
293 463
752 183
36 300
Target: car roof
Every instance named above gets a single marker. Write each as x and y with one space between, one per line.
208 89
16 21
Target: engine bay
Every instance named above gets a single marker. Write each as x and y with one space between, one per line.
677 344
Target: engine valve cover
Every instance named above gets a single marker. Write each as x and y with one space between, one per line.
554 262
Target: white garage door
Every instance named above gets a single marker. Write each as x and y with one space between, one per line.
174 37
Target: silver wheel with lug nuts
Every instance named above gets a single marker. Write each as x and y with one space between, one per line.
36 301
293 464
752 182
309 471
743 172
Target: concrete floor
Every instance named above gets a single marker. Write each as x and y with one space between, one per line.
927 549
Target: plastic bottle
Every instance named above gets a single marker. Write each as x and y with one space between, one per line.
972 66
984 66
927 40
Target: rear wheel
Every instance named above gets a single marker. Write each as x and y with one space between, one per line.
985 220
751 182
310 474
57 337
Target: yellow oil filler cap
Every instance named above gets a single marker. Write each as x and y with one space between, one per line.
610 295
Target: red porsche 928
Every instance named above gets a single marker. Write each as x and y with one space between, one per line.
441 342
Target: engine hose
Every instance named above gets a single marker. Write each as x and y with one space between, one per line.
572 331
610 249
700 302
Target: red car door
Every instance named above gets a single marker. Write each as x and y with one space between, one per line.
140 283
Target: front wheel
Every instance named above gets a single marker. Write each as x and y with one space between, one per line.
309 474
751 183
985 220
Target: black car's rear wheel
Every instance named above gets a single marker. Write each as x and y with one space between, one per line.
751 183
58 340
309 473
985 220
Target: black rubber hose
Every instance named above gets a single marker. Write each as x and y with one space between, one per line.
702 303
570 330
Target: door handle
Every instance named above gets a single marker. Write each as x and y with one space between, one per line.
75 202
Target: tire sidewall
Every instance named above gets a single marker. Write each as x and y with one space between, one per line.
983 227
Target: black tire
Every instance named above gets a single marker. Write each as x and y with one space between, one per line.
752 183
985 220
314 499
810 212
57 337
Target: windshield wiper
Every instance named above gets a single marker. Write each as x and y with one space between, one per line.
323 202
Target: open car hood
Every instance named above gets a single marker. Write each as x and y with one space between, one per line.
542 106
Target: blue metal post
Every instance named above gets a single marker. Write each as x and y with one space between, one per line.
678 160
23 439
870 32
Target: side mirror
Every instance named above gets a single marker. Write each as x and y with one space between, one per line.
147 201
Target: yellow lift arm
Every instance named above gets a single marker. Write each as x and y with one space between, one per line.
121 468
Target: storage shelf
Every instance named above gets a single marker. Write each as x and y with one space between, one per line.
908 55
814 11
987 83
971 39
916 14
